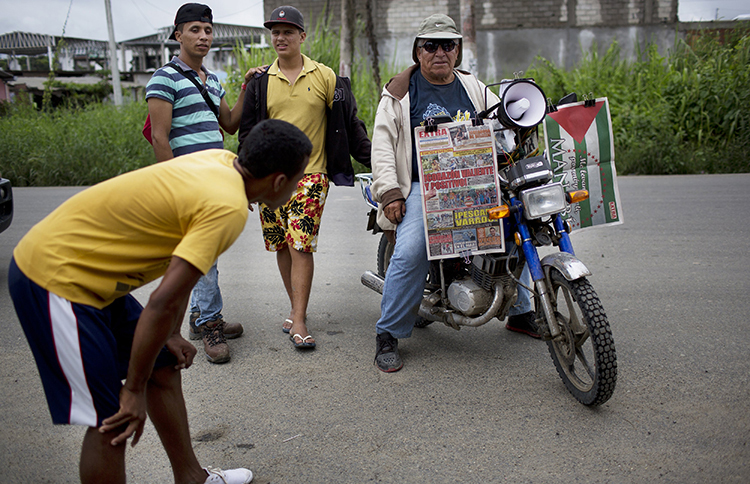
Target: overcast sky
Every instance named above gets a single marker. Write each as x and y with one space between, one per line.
138 18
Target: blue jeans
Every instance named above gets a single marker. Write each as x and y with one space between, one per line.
206 298
407 272
523 303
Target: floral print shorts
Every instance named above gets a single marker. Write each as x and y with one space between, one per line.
297 223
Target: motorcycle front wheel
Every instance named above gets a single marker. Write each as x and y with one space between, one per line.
584 354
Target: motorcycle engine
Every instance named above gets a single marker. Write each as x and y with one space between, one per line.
466 296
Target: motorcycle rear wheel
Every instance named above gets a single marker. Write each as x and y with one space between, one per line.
385 251
584 354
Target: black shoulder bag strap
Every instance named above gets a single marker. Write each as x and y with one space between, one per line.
201 88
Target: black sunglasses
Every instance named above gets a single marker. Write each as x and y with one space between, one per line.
431 46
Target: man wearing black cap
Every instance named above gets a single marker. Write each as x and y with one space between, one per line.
301 91
186 119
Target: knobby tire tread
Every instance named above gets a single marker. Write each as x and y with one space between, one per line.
601 334
384 255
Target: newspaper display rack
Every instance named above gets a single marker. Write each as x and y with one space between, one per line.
459 182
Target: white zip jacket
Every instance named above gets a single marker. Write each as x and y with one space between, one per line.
391 138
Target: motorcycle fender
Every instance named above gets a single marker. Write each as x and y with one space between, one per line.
567 264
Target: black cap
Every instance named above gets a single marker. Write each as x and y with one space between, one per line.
286 15
192 12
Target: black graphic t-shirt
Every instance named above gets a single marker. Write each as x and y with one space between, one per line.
430 100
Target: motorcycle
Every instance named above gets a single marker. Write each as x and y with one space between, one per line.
472 290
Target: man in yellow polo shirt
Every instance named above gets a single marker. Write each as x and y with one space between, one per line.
71 277
298 91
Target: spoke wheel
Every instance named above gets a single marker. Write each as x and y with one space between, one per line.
584 353
385 251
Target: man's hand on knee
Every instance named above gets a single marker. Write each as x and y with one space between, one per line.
131 416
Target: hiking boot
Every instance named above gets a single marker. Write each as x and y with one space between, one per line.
214 342
231 476
386 355
194 332
524 323
231 330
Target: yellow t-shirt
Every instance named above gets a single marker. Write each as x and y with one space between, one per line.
121 234
304 104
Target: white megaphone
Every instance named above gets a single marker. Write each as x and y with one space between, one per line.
523 104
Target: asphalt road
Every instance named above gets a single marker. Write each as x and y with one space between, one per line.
476 405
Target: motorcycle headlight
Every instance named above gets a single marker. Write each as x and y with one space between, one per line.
542 201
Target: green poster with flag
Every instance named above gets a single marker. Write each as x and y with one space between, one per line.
578 139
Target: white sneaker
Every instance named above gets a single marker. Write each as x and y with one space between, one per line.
232 476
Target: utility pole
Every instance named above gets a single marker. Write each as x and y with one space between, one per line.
113 56
469 42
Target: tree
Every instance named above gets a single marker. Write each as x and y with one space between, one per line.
347 38
469 43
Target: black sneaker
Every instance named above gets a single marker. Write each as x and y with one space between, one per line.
386 355
524 323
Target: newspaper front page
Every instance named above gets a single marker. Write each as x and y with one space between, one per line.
458 175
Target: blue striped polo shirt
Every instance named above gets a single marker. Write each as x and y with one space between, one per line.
194 125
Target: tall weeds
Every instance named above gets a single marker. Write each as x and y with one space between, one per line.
681 113
72 146
685 112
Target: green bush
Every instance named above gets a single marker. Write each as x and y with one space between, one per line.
72 146
681 113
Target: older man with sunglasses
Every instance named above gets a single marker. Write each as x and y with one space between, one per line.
430 89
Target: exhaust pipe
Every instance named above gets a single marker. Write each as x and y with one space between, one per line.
500 304
373 281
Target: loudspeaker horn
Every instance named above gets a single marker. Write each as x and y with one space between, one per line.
523 104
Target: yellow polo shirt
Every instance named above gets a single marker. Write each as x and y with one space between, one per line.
304 104
116 236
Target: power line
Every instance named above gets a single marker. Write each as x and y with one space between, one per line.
143 15
67 17
158 7
241 11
